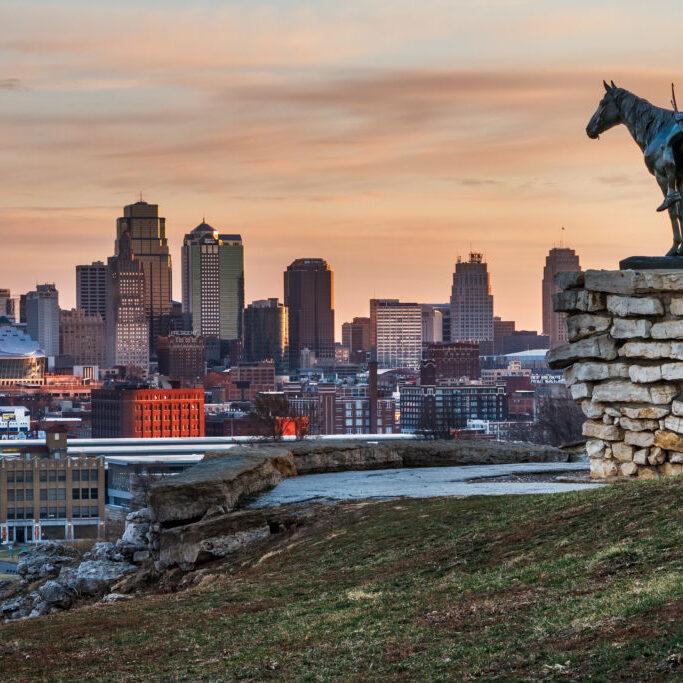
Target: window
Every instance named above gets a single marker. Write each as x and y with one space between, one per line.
43 494
29 513
20 495
93 494
84 494
61 475
94 511
62 513
29 477
76 511
10 495
61 494
43 475
43 513
28 494
93 475
52 475
10 477
20 513
52 494
19 476
85 475
75 494
10 513
76 475
52 513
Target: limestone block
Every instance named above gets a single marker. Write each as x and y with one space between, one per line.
672 371
579 391
669 441
628 469
645 412
638 425
622 452
569 279
598 347
601 469
598 430
667 329
629 305
663 393
674 424
578 300
639 439
657 456
669 469
608 452
631 282
612 411
649 350
648 473
609 419
595 448
677 408
592 371
592 409
621 391
640 456
676 458
676 306
627 328
645 373
586 324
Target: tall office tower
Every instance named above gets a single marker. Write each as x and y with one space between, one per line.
91 289
8 306
356 338
213 282
397 331
127 337
150 246
181 356
558 260
432 324
266 333
309 296
42 318
81 336
472 303
445 310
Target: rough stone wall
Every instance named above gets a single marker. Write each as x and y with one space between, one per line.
624 366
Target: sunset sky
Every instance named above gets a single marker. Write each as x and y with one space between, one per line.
387 138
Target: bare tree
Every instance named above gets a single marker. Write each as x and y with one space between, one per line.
558 420
272 411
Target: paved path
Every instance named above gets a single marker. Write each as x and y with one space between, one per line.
419 482
8 567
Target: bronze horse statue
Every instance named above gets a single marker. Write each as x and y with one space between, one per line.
659 134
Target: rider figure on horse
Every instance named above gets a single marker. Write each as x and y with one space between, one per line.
673 194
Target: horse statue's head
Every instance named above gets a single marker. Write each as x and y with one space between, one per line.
607 113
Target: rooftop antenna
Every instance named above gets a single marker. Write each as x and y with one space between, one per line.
140 195
562 238
673 99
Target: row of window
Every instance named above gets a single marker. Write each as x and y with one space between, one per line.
78 511
21 476
21 495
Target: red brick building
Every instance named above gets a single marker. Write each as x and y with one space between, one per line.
124 412
242 381
454 360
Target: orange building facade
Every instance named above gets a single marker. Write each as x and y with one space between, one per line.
147 413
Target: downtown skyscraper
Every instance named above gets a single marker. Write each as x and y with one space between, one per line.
147 232
472 303
42 318
559 259
127 325
309 297
213 282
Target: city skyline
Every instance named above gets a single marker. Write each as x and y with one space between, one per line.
313 130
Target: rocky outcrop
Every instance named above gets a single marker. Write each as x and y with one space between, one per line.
45 560
631 402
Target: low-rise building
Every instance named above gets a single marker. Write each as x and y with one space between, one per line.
46 494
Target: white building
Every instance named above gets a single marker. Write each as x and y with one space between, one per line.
42 318
396 331
15 422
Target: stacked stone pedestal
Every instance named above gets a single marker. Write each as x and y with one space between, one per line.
624 366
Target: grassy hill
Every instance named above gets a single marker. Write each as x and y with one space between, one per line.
558 587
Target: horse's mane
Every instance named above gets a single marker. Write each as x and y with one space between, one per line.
644 119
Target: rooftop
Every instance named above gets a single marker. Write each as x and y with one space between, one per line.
16 343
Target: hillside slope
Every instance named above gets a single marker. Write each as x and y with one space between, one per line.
565 586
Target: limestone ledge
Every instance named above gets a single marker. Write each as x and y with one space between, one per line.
624 365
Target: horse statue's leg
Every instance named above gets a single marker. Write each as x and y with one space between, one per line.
673 210
671 194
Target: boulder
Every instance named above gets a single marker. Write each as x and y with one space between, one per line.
592 371
580 390
645 373
592 409
676 458
673 423
104 551
648 473
622 452
645 412
657 456
670 469
56 594
595 448
651 350
628 469
668 441
676 305
45 560
601 469
626 328
597 347
624 306
94 577
620 391
638 425
672 371
640 456
630 282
